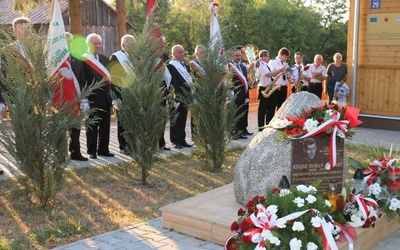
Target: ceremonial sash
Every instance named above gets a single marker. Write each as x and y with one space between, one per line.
182 70
97 66
239 73
167 76
124 61
197 67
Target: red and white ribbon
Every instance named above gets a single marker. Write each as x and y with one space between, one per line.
336 124
268 221
363 204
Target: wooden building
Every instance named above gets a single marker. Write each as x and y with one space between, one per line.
97 17
373 57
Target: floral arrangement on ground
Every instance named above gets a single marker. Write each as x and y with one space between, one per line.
295 218
379 182
302 218
328 119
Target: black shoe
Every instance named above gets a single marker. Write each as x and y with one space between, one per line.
165 148
177 146
78 158
107 155
186 145
124 152
241 136
92 156
246 132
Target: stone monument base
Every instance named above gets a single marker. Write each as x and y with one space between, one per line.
208 216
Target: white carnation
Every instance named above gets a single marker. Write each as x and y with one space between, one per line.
298 226
316 221
311 246
299 202
302 188
375 189
310 124
295 244
281 123
311 199
281 223
284 192
328 203
272 209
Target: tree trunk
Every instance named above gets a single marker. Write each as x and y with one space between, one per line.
121 18
75 17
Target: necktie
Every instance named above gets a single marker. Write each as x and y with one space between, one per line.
284 76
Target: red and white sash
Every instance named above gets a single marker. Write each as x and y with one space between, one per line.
167 76
182 70
239 73
97 66
197 68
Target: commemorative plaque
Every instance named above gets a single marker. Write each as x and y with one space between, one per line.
309 157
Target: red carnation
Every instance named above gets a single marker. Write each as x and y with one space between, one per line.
250 209
394 185
234 226
256 198
232 245
276 190
241 212
246 239
250 204
244 226
262 199
393 171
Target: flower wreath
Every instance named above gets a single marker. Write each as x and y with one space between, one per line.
288 219
328 119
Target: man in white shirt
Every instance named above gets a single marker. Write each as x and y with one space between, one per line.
266 109
318 75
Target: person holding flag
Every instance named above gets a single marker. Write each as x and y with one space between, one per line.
95 70
63 66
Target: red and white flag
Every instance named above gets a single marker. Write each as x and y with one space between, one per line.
59 60
215 33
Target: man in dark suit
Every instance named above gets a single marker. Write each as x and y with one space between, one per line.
119 67
241 90
95 70
77 68
181 81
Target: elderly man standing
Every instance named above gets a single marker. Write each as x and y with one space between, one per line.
336 75
120 67
181 81
95 70
318 75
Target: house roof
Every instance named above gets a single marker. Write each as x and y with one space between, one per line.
41 15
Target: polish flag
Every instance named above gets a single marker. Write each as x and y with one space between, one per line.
59 62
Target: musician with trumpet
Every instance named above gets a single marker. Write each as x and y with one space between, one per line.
267 105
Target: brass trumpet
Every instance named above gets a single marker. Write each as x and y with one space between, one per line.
251 52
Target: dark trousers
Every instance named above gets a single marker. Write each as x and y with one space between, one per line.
242 114
177 128
161 141
331 90
267 108
316 89
120 131
74 144
100 129
281 96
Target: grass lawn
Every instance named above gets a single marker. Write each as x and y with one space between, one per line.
101 199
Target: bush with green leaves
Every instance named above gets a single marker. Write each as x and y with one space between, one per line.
36 135
141 112
213 116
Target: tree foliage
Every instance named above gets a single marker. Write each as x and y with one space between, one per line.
213 117
141 112
36 136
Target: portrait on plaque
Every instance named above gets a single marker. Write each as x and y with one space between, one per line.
309 157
